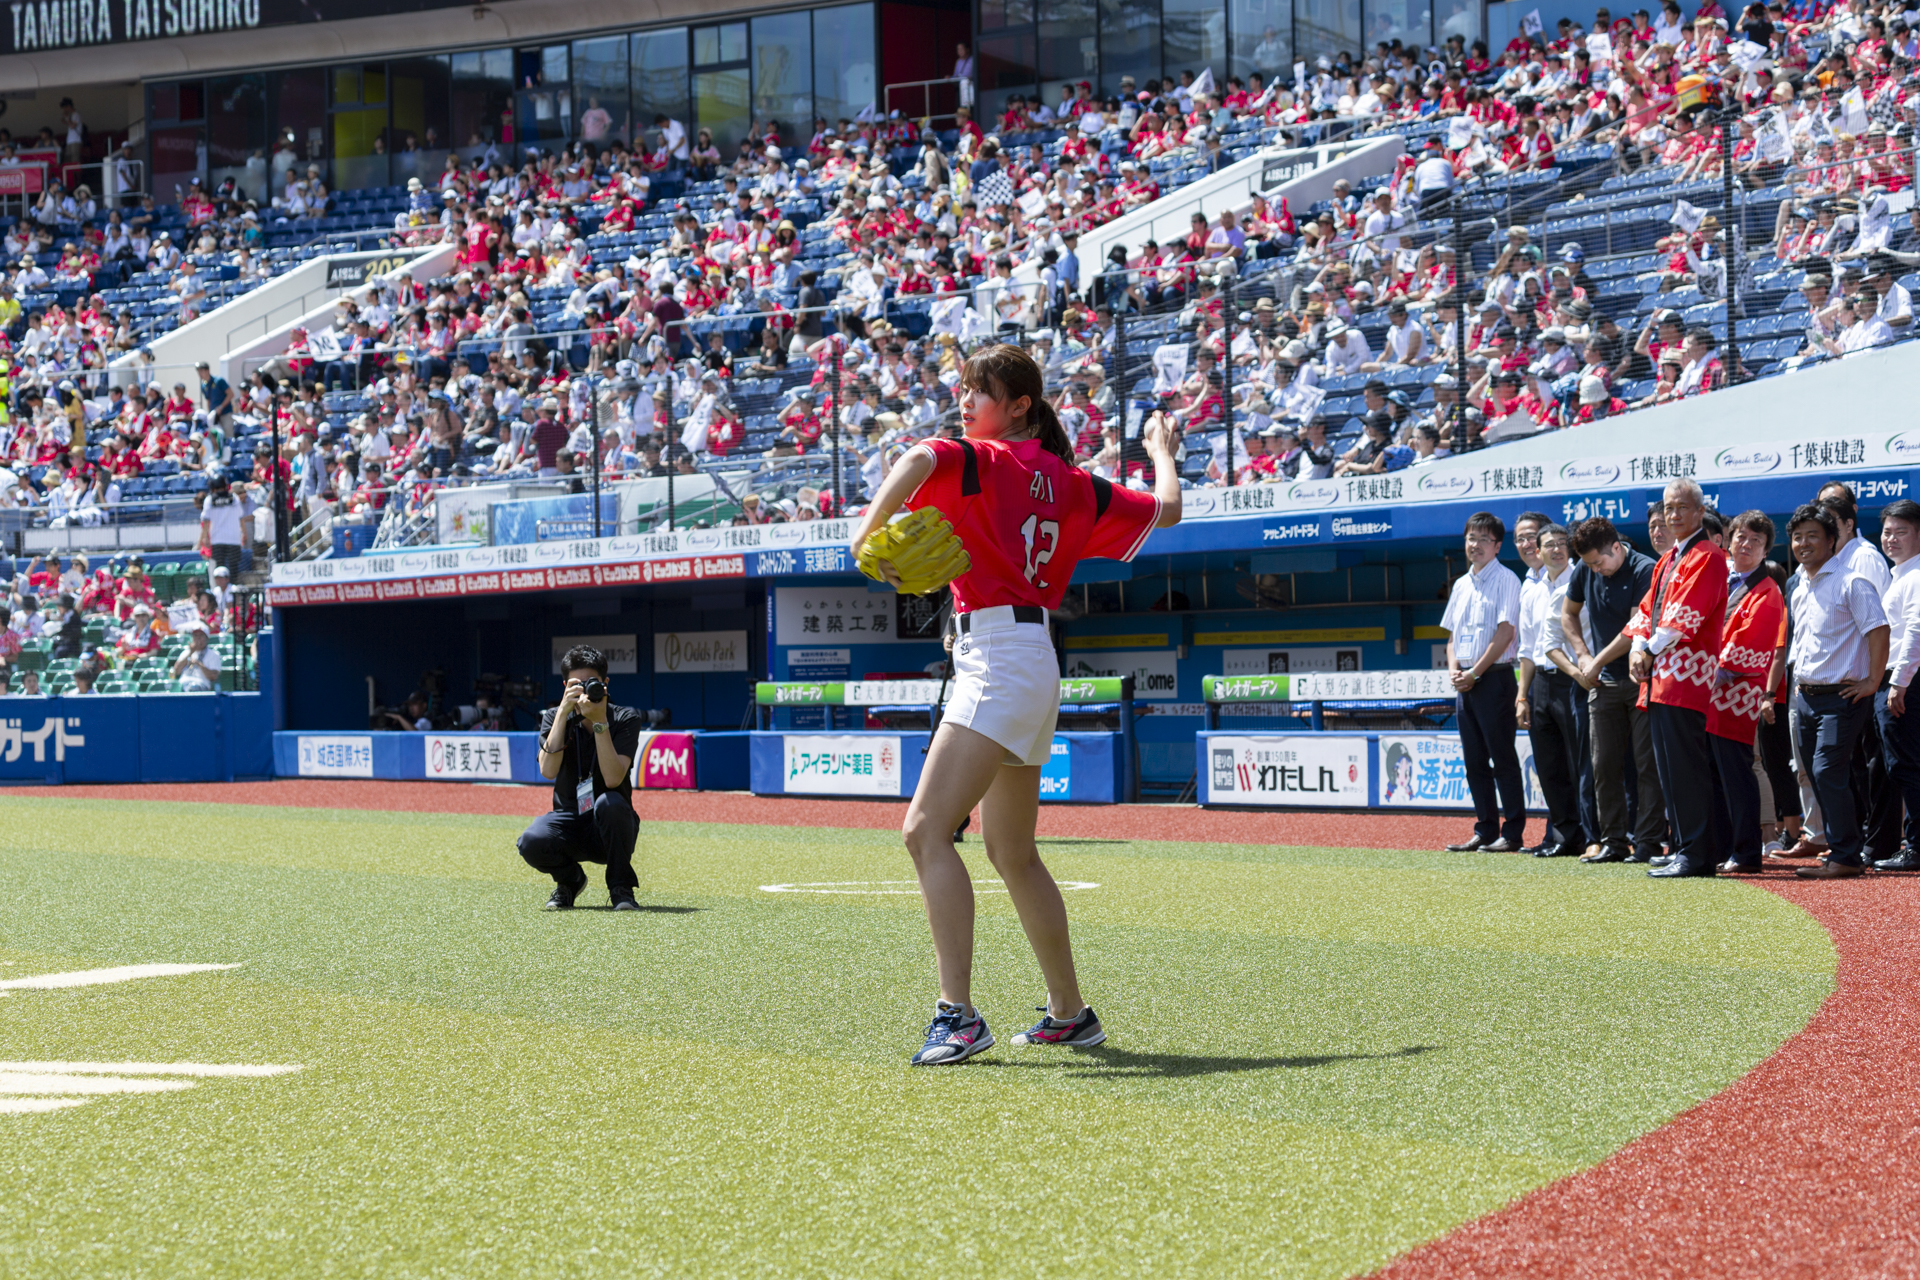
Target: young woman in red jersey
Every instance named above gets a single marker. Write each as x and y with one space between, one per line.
1026 515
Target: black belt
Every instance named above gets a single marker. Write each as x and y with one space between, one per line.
1819 688
1021 613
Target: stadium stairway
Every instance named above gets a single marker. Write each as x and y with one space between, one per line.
243 322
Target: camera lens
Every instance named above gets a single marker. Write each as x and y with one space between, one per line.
596 691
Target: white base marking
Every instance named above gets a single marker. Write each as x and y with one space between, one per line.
875 888
38 1087
29 1082
33 1087
101 977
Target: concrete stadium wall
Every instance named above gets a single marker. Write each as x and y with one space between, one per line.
310 310
1234 188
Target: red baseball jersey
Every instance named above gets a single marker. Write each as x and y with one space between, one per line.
1026 519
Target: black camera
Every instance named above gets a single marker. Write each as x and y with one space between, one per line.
596 690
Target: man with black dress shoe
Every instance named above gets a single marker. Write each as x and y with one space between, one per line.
1839 659
1899 720
1676 643
587 746
1546 691
1482 621
1878 800
1603 594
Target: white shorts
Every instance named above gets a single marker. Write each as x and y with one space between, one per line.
1006 684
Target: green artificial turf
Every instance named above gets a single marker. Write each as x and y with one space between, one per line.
1319 1057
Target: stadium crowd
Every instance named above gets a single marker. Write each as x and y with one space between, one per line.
603 313
1704 712
78 627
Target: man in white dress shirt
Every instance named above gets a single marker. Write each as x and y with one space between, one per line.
1546 691
1839 659
1879 801
1483 621
1899 723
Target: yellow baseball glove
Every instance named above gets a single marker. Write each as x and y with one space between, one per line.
923 549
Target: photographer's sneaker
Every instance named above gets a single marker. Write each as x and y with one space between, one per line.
564 894
625 902
953 1036
1080 1032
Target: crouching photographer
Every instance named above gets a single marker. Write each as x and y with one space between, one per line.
587 745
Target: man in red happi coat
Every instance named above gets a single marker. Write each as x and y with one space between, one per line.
1676 645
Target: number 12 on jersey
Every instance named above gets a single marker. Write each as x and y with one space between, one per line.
1040 537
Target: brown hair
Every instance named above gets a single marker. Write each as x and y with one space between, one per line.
1005 373
1755 521
1597 534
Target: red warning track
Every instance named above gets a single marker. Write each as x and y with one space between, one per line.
1135 822
1802 1169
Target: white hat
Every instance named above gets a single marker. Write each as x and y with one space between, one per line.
1593 390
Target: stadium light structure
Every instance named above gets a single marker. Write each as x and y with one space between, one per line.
1702 98
282 535
594 384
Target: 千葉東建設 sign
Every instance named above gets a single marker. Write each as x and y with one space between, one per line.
699 651
468 757
335 755
841 764
1303 770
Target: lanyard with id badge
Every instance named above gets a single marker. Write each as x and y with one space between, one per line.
583 789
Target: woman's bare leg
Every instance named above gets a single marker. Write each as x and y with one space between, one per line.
1008 816
960 768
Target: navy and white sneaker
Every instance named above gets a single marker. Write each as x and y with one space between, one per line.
953 1036
1080 1032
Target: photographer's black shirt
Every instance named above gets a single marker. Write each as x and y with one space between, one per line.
624 724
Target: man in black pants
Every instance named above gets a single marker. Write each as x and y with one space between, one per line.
1876 799
1549 692
1601 598
1898 718
1483 619
587 746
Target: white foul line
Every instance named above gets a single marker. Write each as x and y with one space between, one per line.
202 1069
100 977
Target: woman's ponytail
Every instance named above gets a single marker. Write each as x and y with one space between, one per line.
1048 430
1007 372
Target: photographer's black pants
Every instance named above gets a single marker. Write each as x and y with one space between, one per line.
557 843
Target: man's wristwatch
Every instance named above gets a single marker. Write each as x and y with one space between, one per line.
600 726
